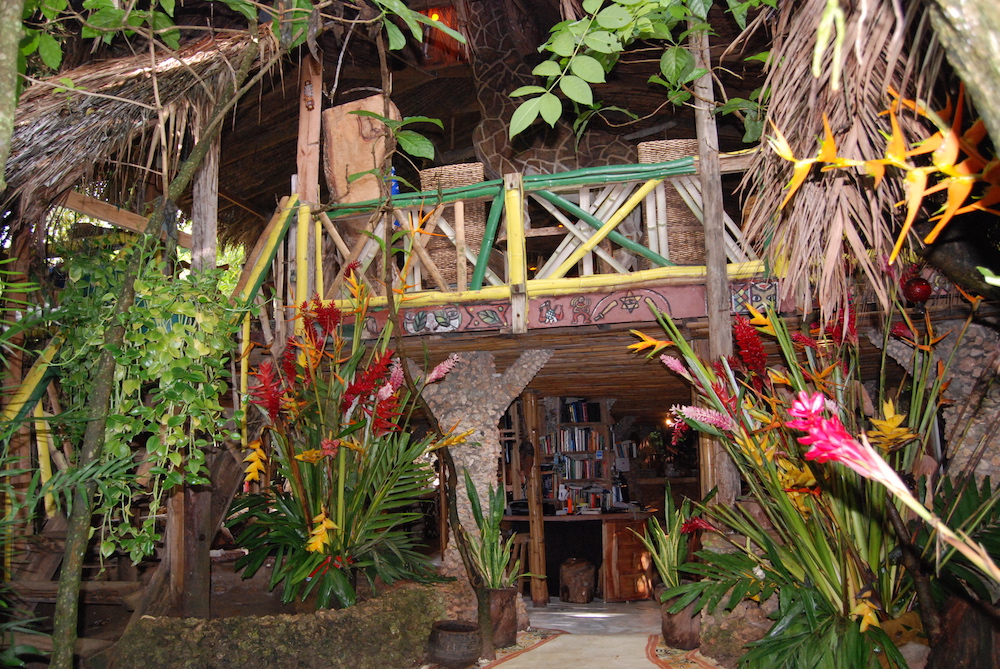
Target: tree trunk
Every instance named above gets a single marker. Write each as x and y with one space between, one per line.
78 532
10 38
968 31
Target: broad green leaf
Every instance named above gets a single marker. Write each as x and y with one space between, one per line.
524 115
763 56
244 7
563 45
675 64
415 144
526 90
422 119
546 68
29 44
699 7
52 8
107 548
588 69
694 74
629 2
457 36
550 107
396 38
577 90
739 12
50 50
591 6
168 6
603 42
402 11
613 17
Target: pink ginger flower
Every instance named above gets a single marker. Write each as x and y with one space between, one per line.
442 369
707 416
675 365
395 381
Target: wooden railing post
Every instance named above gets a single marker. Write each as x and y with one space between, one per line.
517 264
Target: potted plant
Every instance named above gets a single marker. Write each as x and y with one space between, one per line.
669 546
490 555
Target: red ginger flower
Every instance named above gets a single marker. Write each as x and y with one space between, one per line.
749 346
805 341
268 391
900 329
364 381
692 525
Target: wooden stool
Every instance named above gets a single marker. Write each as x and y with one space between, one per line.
519 551
576 581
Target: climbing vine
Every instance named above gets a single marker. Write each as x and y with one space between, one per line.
170 380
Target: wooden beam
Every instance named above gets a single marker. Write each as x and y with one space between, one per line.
723 470
310 115
536 523
91 592
109 213
205 211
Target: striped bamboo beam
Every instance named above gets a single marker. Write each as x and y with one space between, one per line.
486 248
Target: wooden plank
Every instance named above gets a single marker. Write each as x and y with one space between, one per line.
205 210
91 592
536 523
83 647
99 209
310 119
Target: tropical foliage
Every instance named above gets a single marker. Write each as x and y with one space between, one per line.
338 467
489 552
669 545
824 543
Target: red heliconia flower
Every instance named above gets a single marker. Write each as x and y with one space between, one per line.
805 341
900 329
749 346
352 266
365 381
385 417
288 366
692 525
330 447
845 329
268 391
327 316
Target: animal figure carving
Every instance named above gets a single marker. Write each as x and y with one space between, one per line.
498 68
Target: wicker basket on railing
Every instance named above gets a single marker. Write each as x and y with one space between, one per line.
440 249
685 233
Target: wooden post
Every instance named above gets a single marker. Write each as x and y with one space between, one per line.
536 524
721 471
307 164
517 267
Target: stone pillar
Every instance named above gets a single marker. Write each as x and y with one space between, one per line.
473 397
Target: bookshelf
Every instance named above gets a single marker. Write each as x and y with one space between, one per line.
578 456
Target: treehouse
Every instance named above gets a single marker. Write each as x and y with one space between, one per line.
533 261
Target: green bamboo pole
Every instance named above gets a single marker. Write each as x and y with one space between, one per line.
596 224
489 234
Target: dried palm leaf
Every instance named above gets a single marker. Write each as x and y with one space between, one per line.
838 226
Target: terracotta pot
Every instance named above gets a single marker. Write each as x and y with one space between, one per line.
454 643
680 630
503 615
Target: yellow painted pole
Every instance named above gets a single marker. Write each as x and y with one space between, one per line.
301 263
564 286
43 441
244 377
318 228
31 381
616 218
513 204
263 262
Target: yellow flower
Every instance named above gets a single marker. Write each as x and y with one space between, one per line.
256 458
648 342
889 432
866 612
311 456
319 536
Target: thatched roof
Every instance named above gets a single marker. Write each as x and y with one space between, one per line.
101 130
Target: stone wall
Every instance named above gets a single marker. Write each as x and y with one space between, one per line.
971 419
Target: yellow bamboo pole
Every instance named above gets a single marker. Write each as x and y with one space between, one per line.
43 441
513 204
616 218
318 224
564 286
244 376
262 262
30 383
301 263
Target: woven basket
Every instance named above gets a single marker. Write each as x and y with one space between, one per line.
440 249
685 233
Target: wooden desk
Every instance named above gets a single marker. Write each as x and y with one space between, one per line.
624 565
